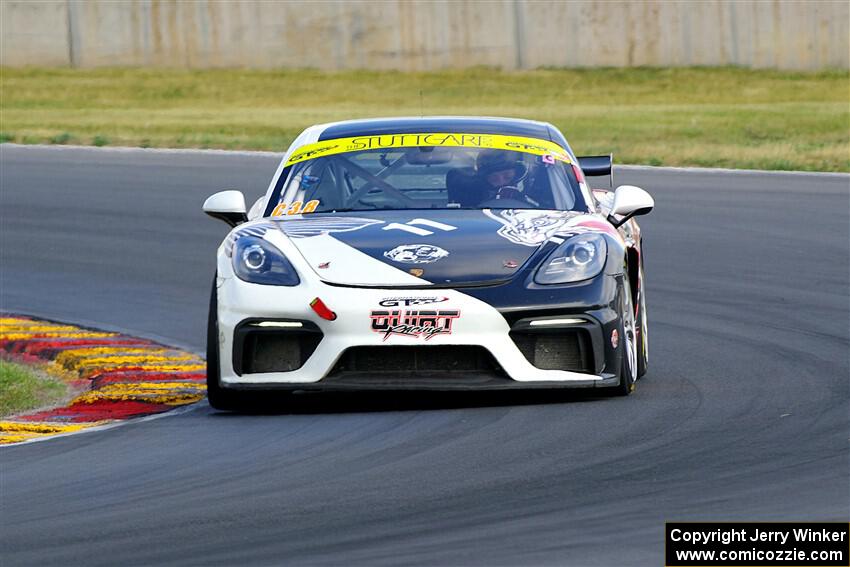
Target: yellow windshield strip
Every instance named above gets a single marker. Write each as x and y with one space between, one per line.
433 139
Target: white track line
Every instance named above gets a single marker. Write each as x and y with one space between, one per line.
117 423
244 153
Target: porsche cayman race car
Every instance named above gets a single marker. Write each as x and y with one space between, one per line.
429 253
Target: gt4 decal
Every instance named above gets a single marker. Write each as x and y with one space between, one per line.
416 254
408 301
413 323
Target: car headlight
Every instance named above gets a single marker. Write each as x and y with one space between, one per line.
257 261
579 258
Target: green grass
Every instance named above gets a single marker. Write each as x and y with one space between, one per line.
63 138
23 388
714 117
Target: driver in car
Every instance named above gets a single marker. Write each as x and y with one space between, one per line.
499 172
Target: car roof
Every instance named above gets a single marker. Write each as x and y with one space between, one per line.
447 124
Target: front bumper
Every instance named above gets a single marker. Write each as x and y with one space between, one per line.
478 323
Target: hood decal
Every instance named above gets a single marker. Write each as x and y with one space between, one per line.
410 227
529 227
416 254
305 228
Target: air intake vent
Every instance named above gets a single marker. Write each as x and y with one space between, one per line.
416 360
271 350
566 350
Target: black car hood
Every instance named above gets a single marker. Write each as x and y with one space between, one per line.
444 247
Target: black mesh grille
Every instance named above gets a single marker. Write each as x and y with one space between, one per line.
276 351
416 359
568 350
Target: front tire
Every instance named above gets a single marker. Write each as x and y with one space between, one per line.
218 397
628 340
642 328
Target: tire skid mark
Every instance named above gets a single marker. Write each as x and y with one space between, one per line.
122 377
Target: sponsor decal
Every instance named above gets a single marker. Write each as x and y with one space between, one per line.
416 272
413 140
326 225
416 254
414 323
510 264
408 301
311 151
548 159
295 208
324 265
528 147
523 144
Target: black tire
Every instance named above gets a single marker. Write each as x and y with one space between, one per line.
642 327
628 376
219 398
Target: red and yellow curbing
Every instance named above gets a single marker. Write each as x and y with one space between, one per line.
123 377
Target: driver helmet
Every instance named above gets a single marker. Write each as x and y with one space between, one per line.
494 165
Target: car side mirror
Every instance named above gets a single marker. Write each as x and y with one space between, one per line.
228 206
629 201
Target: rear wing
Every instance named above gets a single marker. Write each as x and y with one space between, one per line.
598 166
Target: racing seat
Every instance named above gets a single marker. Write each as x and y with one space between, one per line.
464 187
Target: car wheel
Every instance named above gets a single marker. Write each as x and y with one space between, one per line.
642 328
218 397
628 340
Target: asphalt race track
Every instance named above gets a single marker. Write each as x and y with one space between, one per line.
743 415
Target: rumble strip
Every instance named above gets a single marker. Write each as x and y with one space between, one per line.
123 377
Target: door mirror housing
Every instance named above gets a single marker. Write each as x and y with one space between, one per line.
228 206
629 201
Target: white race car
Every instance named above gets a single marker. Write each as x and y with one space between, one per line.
428 253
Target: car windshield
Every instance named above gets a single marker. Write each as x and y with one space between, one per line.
426 177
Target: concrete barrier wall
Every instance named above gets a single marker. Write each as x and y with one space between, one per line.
424 35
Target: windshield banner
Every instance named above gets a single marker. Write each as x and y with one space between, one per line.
432 139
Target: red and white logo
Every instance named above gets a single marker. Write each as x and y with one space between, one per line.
413 323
